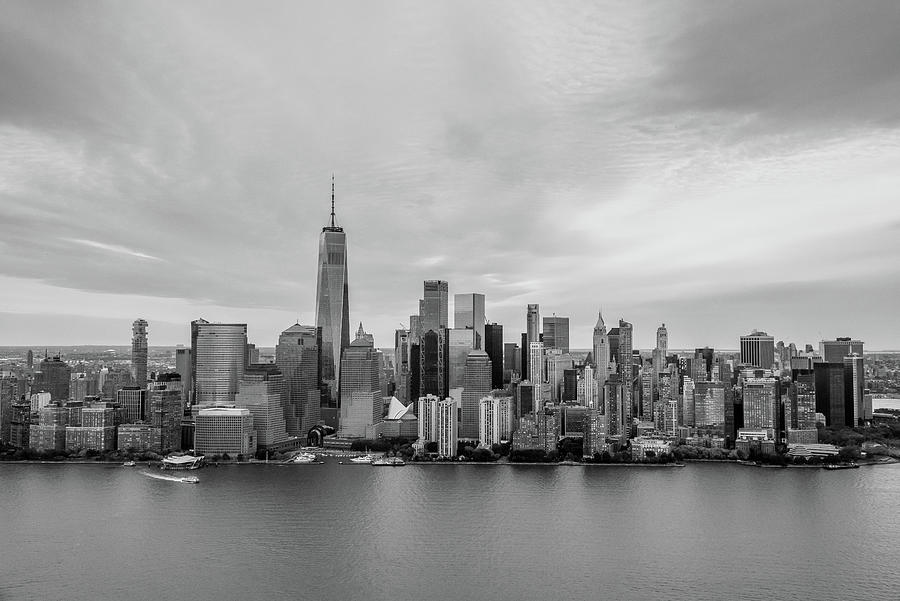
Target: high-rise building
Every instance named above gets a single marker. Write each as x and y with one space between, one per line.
834 351
556 333
761 402
332 302
53 376
493 346
536 367
133 399
183 368
495 419
527 398
447 423
361 400
854 389
434 309
218 358
165 408
460 342
600 352
139 352
709 406
662 339
297 356
556 365
533 325
432 363
831 393
468 312
428 418
476 385
401 365
9 386
220 430
758 350
262 391
630 380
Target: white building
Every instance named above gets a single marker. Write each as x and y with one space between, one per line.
447 424
495 420
220 430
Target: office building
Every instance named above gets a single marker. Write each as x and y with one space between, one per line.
53 376
709 407
218 358
262 391
758 350
595 426
533 325
761 402
476 385
468 312
297 356
139 352
222 429
460 342
97 431
183 368
556 366
493 346
134 437
834 351
9 388
432 363
831 394
527 398
433 307
600 352
854 389
332 303
556 333
401 365
361 399
134 401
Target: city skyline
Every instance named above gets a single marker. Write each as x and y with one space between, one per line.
676 181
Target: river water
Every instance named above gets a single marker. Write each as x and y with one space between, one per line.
445 532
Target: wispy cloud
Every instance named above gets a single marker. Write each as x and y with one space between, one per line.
113 248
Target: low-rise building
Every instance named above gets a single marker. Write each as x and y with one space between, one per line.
224 429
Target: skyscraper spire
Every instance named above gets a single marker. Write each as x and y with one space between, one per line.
332 200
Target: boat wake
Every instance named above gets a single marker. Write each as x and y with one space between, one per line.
162 477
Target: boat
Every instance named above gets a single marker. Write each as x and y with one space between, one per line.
362 459
191 480
129 464
182 462
841 466
389 461
302 458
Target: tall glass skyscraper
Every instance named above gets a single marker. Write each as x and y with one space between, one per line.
218 359
468 312
297 356
332 302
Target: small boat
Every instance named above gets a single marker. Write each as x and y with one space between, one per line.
389 461
191 480
129 464
841 466
363 459
302 458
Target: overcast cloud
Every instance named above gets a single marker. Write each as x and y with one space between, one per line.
716 166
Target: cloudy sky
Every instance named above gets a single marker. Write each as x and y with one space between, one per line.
716 166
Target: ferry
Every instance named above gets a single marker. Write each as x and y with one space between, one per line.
191 480
182 462
302 458
363 459
129 464
389 461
